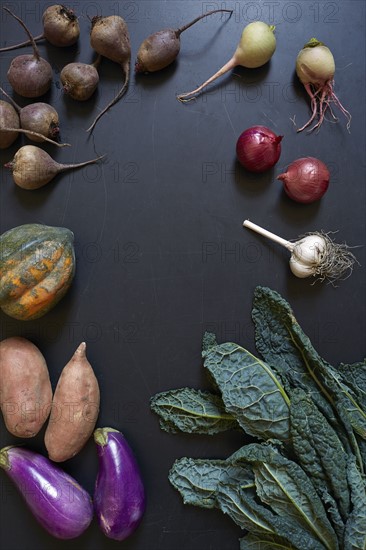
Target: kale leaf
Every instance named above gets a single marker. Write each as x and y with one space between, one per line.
250 391
192 411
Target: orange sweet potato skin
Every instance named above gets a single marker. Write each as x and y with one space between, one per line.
25 387
75 409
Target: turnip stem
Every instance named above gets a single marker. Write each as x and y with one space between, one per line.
188 25
22 44
269 235
15 105
225 69
32 41
35 134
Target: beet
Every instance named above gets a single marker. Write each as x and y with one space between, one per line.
29 75
161 48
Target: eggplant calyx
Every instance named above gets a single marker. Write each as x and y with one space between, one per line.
101 435
4 459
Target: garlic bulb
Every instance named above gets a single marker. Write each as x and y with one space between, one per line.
315 254
306 255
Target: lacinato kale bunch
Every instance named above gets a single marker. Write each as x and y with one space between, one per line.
302 485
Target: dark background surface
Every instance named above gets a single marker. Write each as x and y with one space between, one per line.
161 252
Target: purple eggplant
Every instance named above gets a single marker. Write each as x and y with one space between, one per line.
119 495
57 501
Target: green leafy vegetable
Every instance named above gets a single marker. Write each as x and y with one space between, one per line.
284 486
250 391
272 315
303 486
192 411
197 480
355 375
355 534
319 449
257 542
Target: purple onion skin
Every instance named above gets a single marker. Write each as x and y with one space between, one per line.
119 496
258 148
57 501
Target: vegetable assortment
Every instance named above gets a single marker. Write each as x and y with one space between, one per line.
302 485
294 489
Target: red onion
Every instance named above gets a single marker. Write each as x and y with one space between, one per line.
258 148
306 180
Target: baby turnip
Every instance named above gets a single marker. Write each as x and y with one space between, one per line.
33 168
315 67
60 28
110 38
38 117
30 75
9 118
80 80
160 49
256 47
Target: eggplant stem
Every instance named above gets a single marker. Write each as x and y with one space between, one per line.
35 134
126 69
226 68
64 167
22 44
254 227
34 45
15 105
179 31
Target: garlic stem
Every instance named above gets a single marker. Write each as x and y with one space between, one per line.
254 227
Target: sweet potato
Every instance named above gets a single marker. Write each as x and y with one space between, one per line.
25 387
75 408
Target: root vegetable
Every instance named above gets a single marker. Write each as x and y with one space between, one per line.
256 47
60 28
315 254
33 168
75 408
315 68
160 49
80 80
29 75
40 118
9 118
110 38
26 392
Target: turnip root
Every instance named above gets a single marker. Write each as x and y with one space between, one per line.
256 47
160 49
9 118
38 118
33 168
29 75
110 38
75 408
80 80
60 28
315 68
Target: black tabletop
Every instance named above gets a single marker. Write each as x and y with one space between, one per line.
161 252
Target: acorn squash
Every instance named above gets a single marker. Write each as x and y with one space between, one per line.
37 265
